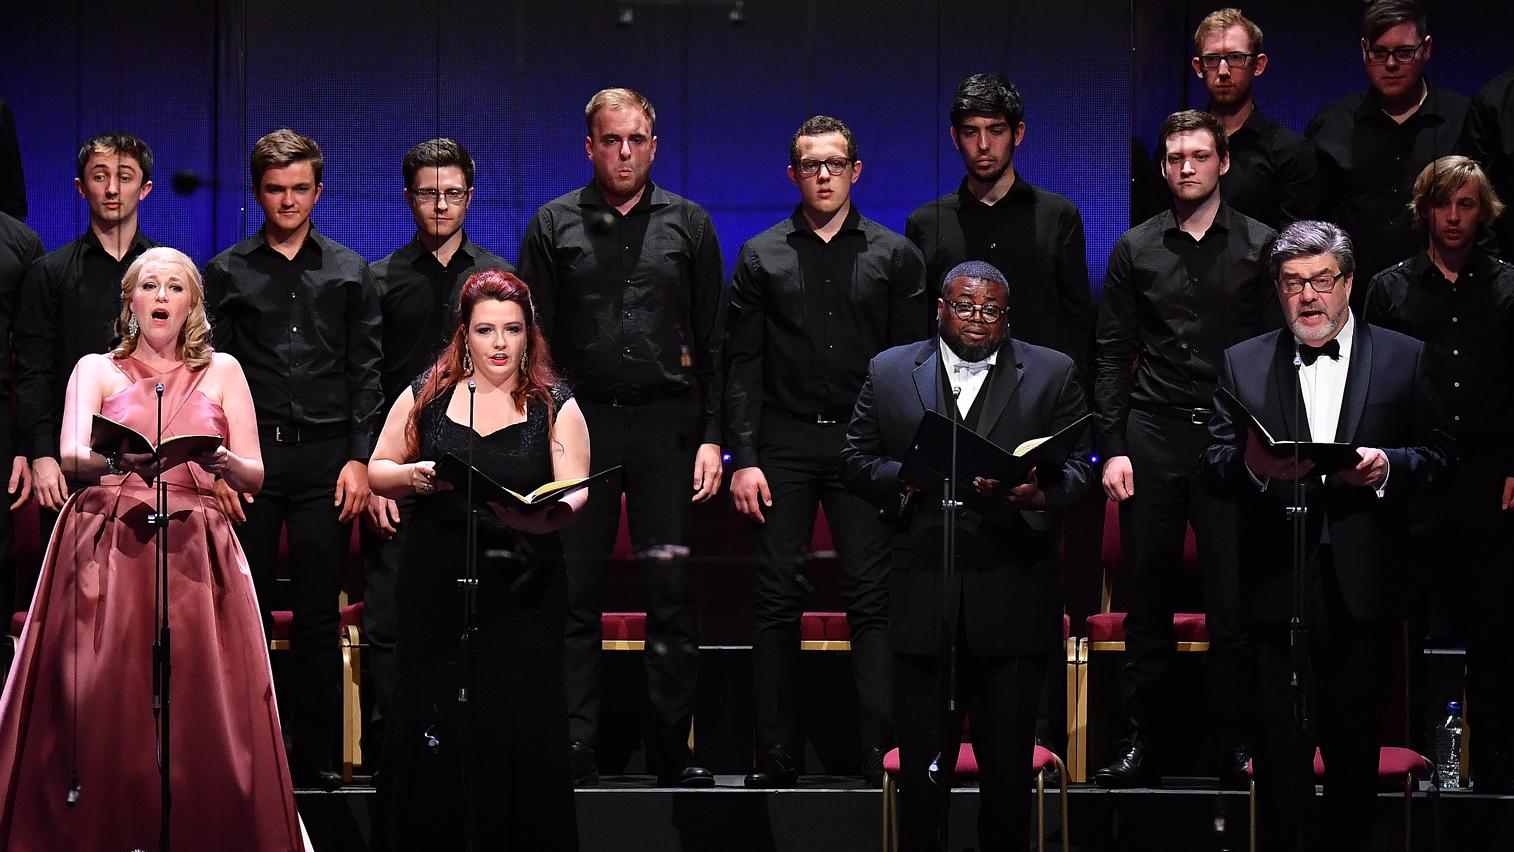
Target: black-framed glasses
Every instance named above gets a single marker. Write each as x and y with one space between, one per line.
428 195
1319 283
965 311
1234 60
1406 53
835 165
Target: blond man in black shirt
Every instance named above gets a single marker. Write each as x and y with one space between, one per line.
300 312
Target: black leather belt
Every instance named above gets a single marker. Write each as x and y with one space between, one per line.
298 434
819 418
1196 416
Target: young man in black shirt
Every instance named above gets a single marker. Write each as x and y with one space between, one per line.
627 280
20 248
1373 143
70 300
418 287
1273 176
301 314
813 299
1181 287
998 216
1489 139
1460 301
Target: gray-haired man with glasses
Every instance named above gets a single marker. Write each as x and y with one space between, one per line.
1273 175
813 299
1372 144
1326 377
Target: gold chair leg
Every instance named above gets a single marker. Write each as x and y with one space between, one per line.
1040 811
890 814
1252 787
352 703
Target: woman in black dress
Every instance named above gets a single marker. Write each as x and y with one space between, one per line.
496 764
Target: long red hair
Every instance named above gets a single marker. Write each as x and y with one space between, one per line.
536 379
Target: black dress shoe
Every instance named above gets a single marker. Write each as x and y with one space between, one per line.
318 779
774 769
872 768
689 777
1134 768
1233 770
581 757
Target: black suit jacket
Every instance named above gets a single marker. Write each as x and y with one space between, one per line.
1007 580
1389 405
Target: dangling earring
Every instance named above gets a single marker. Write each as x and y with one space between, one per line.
131 326
523 362
467 363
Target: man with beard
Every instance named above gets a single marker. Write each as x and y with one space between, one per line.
1326 377
1373 143
627 280
1460 301
813 299
417 287
997 216
1273 174
1002 611
1181 287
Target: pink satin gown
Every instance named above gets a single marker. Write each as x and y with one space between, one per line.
79 697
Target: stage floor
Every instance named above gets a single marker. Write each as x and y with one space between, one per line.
838 814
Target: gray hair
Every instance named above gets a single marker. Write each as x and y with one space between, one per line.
1307 239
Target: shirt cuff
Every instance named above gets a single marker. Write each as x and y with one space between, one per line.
359 447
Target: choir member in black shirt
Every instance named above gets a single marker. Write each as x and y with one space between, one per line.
1489 138
70 300
1181 287
628 283
20 248
301 313
1373 143
1460 301
1273 176
12 177
812 300
418 287
996 215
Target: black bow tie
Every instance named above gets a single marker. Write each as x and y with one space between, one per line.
1309 354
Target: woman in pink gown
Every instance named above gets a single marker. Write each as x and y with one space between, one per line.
76 719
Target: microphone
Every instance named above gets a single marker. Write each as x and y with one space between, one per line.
1298 359
160 388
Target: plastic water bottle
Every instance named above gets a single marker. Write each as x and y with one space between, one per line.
1448 748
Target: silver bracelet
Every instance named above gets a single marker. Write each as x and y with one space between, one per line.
111 467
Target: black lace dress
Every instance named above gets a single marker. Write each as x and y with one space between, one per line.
518 761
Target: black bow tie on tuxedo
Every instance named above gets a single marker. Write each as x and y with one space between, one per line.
1309 354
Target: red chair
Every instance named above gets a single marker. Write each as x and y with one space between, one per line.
1395 767
1106 633
967 769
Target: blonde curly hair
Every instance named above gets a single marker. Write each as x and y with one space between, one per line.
194 338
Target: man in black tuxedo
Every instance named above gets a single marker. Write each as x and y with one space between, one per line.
1003 607
1327 377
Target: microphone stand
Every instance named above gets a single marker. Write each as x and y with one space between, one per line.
466 651
1298 514
162 669
950 506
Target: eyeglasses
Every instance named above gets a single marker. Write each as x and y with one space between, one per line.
835 165
1320 284
965 311
1407 53
1234 60
429 195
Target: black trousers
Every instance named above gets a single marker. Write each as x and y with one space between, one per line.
381 566
656 444
1000 694
1465 571
799 460
1164 452
299 485
1347 671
